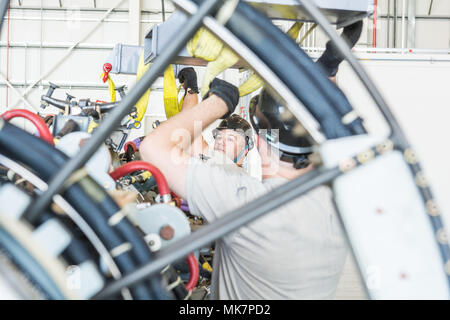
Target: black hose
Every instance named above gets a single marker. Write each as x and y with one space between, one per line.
69 127
12 142
109 207
172 276
331 57
300 74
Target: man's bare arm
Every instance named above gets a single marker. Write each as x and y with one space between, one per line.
199 144
165 146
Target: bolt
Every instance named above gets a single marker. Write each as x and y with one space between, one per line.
166 232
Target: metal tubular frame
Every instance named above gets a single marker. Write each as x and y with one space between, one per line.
287 192
256 208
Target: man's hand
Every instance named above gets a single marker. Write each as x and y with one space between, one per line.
331 58
228 92
188 78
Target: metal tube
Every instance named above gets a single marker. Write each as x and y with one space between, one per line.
431 6
411 23
79 20
57 45
374 34
223 226
111 122
25 101
403 25
421 17
395 24
388 44
117 10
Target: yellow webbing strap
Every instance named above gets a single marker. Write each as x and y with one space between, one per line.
254 82
141 105
225 60
307 33
92 126
111 88
170 93
204 45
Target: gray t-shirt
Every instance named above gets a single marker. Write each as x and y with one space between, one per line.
295 252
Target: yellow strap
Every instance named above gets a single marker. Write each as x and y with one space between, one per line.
92 126
141 105
170 93
146 175
204 45
225 60
307 33
255 82
207 266
295 30
111 88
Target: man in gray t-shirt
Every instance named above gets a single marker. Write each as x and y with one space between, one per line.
294 252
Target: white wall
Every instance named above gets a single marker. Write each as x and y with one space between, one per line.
418 93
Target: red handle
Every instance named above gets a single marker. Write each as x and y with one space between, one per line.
142 165
193 270
44 132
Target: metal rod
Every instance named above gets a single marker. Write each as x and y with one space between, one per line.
223 226
395 24
25 101
420 17
163 11
57 45
21 18
393 50
431 5
117 10
374 34
411 23
388 24
111 122
403 25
